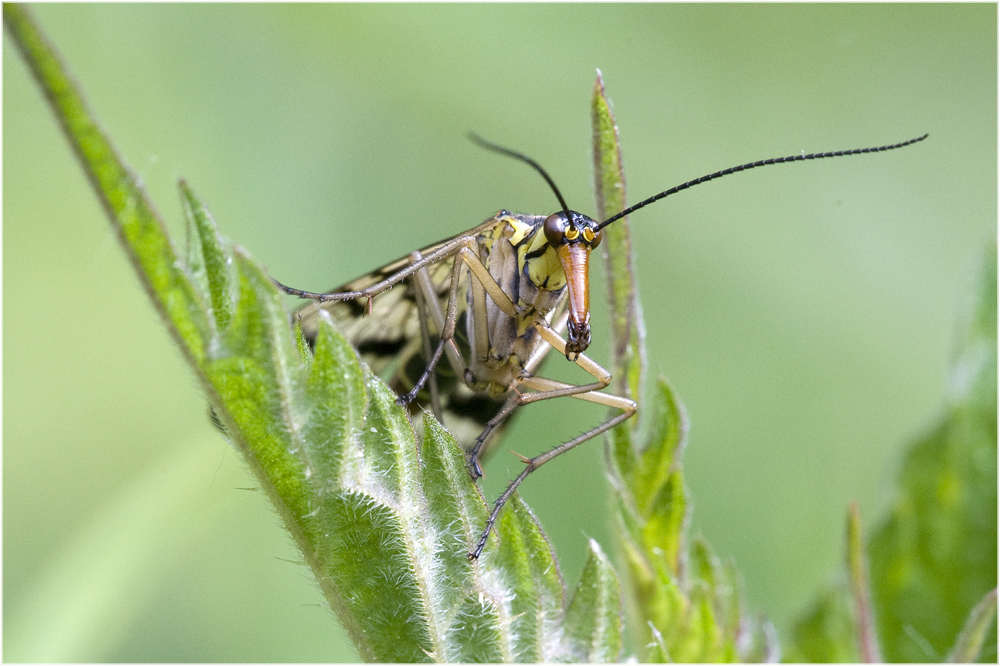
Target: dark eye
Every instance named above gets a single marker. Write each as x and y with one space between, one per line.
592 237
555 228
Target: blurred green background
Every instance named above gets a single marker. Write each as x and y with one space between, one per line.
804 313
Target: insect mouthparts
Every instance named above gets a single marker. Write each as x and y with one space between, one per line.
579 339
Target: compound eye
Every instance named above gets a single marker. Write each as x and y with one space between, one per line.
592 237
555 228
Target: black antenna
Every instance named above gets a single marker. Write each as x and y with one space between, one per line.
745 167
524 158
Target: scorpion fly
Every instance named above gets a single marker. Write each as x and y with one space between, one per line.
492 301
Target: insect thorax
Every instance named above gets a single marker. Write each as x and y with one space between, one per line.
520 260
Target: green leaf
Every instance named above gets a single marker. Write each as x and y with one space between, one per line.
206 260
677 613
657 484
692 612
384 523
594 618
627 329
936 555
826 633
523 552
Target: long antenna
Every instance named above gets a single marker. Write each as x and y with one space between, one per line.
524 158
745 167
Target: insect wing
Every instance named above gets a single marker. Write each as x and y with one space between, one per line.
387 334
388 325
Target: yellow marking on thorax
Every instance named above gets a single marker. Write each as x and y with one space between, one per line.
523 325
544 271
520 230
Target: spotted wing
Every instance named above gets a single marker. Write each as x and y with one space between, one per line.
387 335
386 332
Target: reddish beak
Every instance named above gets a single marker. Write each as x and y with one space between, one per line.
575 260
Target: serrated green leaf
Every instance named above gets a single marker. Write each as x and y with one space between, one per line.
666 522
335 402
677 614
706 634
664 449
667 606
206 260
628 349
594 618
524 553
627 329
457 511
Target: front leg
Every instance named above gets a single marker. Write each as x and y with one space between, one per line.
554 390
546 389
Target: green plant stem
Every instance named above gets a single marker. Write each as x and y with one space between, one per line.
863 616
